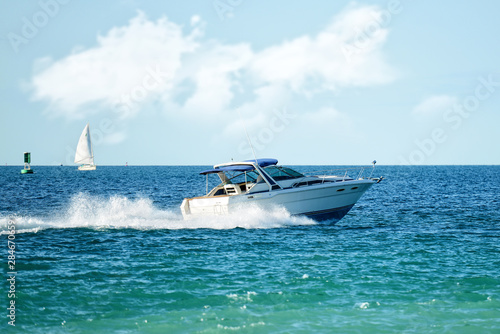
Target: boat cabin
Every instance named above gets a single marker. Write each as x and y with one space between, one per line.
251 176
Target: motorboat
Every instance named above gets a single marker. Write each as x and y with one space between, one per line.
262 182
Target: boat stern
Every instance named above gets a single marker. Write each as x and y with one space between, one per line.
185 208
202 206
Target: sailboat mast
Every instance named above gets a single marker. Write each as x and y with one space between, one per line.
91 146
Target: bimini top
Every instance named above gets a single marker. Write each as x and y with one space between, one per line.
243 166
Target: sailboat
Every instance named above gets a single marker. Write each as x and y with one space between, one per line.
84 154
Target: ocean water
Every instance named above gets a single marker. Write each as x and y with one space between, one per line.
108 252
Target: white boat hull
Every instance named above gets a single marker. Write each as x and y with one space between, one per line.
87 167
322 202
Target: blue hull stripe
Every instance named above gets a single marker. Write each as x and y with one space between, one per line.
332 215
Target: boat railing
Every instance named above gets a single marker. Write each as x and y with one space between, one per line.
342 173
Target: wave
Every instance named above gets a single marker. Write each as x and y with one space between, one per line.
119 212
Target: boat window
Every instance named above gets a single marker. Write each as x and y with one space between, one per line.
341 189
220 192
240 177
308 183
354 188
282 173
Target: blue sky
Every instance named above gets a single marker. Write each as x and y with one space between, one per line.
314 82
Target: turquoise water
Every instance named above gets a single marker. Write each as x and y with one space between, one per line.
108 251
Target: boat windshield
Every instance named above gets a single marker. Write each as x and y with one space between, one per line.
280 173
235 178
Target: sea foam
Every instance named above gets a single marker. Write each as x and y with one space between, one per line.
119 212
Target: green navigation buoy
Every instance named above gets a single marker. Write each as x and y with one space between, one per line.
27 160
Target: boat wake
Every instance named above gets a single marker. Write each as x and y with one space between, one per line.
118 212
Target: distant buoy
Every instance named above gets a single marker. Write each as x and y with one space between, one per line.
27 160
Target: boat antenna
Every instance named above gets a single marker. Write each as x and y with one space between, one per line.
248 137
373 168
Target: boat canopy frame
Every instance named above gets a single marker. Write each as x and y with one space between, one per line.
253 165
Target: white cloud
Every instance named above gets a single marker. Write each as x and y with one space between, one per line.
195 19
258 112
203 77
117 65
315 63
214 71
434 106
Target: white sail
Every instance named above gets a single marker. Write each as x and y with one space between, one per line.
84 153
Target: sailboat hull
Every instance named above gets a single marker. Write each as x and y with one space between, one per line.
87 167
